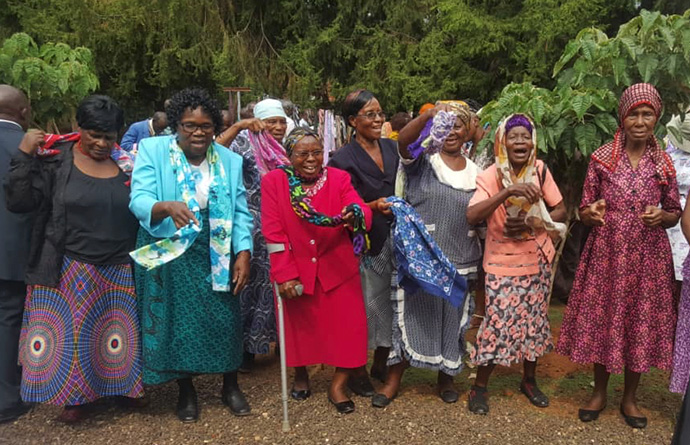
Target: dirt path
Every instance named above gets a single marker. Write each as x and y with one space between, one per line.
418 416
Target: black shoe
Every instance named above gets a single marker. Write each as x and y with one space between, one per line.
187 406
449 395
634 422
345 407
534 394
589 415
381 401
300 394
235 400
12 414
477 401
361 386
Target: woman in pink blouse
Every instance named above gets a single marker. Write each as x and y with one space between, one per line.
514 197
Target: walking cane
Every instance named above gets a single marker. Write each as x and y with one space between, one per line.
283 362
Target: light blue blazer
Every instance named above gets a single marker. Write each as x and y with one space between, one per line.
153 180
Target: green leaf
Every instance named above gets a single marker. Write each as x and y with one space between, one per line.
586 137
686 44
567 141
570 50
606 122
620 67
541 141
589 49
648 20
647 65
537 110
667 34
580 104
630 46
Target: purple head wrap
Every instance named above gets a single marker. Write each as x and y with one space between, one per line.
518 120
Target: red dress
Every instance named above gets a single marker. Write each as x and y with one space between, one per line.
328 323
621 311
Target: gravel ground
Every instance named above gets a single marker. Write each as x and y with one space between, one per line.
417 416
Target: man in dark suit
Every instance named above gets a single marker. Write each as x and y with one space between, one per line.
15 114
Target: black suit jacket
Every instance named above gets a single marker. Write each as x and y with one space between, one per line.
370 182
15 228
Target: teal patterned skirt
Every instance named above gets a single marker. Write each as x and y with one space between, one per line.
187 328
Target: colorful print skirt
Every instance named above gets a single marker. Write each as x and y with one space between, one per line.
516 325
80 341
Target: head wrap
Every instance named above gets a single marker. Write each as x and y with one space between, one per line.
436 130
268 108
297 135
536 215
427 106
681 128
609 154
518 120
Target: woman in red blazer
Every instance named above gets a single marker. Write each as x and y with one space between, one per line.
315 223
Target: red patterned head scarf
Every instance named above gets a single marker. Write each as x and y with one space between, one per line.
609 154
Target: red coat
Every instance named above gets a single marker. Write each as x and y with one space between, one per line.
323 253
328 323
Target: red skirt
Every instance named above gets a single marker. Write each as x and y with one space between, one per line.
327 327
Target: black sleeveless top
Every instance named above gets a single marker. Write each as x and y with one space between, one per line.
100 229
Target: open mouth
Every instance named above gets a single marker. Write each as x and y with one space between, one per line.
520 151
311 169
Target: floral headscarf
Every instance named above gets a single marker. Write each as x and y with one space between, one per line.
295 136
609 154
436 130
536 215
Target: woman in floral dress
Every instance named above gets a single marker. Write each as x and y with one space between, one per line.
621 315
512 197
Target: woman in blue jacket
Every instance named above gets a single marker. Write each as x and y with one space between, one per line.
194 253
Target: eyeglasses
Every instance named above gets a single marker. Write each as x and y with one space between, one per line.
306 154
190 127
370 116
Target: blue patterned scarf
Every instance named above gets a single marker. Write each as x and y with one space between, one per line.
168 249
421 263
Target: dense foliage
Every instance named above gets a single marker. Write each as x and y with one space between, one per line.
407 51
54 76
580 113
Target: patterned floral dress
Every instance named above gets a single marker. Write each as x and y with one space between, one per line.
258 313
621 311
516 324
